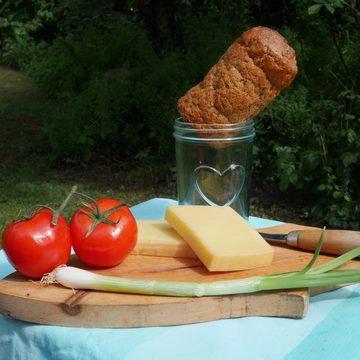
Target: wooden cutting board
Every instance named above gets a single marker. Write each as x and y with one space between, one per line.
53 304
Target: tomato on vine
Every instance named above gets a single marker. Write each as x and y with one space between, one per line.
36 245
103 232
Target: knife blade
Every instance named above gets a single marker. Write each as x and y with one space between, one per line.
336 242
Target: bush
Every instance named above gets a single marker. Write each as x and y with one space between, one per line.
108 89
318 158
112 88
307 138
24 26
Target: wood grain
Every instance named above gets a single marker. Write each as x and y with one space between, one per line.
27 300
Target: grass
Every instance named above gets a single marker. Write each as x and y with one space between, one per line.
23 186
26 178
22 189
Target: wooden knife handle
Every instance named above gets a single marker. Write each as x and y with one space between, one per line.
336 242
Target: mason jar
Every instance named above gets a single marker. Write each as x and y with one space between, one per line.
214 163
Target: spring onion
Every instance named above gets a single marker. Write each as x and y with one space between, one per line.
323 275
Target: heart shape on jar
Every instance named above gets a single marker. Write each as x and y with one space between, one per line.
219 188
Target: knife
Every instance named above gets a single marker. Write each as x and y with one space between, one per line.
336 242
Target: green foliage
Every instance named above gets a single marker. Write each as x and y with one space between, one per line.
307 138
112 88
114 71
314 149
21 25
113 100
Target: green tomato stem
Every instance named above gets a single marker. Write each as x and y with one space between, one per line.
61 208
99 217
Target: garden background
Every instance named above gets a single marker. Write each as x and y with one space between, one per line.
88 93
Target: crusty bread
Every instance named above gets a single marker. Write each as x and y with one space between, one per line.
251 73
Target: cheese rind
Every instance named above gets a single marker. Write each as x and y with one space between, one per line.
158 238
220 237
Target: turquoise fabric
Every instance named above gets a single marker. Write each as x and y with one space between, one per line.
329 331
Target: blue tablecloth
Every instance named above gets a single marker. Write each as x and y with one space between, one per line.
330 330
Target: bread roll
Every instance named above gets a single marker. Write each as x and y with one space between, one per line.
251 73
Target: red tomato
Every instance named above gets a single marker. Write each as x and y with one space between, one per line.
36 247
108 244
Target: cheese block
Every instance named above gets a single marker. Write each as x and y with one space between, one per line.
158 238
220 237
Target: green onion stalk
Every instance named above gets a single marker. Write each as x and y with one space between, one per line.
322 275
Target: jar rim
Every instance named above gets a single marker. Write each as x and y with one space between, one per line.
213 127
233 131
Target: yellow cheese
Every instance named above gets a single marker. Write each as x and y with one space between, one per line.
220 237
158 238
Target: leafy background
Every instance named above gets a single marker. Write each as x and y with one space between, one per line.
112 71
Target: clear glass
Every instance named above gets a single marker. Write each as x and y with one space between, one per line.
214 163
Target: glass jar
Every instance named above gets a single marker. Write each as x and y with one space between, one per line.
213 164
